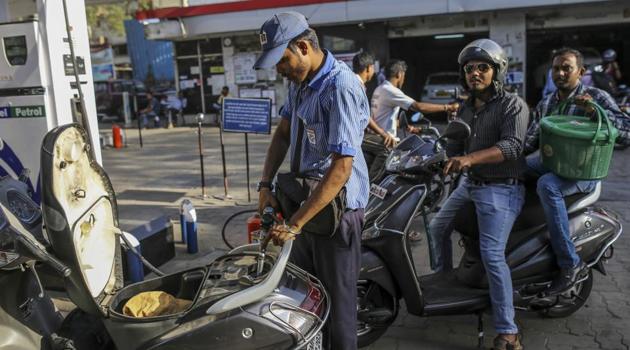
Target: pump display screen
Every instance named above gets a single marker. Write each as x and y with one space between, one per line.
15 50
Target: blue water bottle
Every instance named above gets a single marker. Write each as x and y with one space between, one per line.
134 263
190 226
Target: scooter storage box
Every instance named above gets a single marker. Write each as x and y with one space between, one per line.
242 300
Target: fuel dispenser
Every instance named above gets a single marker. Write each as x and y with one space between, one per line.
38 89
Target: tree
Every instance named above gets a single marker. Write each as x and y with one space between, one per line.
108 17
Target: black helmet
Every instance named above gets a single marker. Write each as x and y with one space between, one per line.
609 55
488 51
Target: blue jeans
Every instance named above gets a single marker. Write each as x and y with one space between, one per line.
497 207
551 190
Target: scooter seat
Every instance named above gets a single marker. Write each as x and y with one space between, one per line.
532 214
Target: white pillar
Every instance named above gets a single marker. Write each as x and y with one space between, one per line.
228 65
4 11
510 31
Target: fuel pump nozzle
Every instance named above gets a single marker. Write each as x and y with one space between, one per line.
267 220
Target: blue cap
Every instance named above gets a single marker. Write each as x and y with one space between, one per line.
275 35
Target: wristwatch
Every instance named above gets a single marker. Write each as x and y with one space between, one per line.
264 184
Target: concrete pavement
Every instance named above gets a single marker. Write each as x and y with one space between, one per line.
167 170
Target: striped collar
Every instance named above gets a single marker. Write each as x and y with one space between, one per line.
578 90
329 62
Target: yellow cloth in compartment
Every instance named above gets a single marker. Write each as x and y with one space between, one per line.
154 303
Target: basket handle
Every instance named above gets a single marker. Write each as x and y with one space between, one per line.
601 114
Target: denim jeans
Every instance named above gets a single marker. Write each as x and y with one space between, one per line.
551 190
497 207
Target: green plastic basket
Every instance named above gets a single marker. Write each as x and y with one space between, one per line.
574 147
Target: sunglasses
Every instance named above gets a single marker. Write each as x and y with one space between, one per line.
481 67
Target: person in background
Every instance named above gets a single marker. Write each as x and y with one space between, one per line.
152 110
376 142
550 87
176 107
611 67
218 106
387 101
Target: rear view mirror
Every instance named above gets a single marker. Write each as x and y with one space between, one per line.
456 130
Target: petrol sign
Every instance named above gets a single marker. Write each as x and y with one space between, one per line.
23 112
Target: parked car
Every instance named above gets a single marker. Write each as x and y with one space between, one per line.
109 97
443 87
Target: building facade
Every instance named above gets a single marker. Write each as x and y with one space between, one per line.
427 34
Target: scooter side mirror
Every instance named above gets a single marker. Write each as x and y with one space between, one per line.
456 130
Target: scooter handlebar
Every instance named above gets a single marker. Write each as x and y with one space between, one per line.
60 267
40 254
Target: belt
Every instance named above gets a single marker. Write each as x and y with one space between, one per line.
507 181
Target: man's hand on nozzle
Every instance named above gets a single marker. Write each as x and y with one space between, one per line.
283 232
266 199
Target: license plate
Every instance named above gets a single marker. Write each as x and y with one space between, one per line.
378 191
443 93
315 343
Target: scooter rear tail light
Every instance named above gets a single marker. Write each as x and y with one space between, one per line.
314 300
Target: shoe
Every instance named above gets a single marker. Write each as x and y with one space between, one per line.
500 343
566 279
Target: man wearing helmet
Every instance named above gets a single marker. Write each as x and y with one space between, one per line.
495 165
611 67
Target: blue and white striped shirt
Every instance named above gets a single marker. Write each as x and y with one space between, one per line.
335 111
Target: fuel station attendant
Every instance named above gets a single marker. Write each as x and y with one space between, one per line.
322 124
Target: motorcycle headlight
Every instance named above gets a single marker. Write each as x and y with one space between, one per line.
394 160
414 161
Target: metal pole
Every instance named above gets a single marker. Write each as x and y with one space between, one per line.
139 131
249 195
201 82
203 177
225 180
135 108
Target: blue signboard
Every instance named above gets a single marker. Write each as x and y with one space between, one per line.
247 115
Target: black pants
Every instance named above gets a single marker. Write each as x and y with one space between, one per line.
375 154
336 262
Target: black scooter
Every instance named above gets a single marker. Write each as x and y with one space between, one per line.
247 299
415 186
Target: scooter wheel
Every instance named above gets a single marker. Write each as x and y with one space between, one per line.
377 310
572 300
